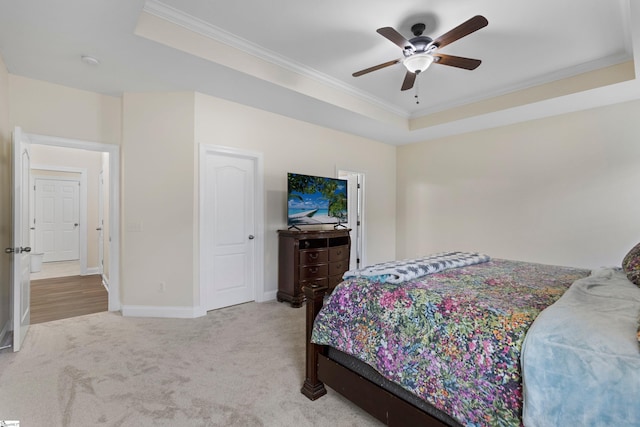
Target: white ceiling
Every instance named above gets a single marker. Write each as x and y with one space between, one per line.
296 57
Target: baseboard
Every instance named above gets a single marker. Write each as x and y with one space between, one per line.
93 270
178 312
267 296
168 312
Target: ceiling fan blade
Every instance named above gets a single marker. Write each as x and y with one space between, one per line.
396 38
375 67
409 80
464 29
456 61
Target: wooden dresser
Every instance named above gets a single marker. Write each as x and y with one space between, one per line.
310 257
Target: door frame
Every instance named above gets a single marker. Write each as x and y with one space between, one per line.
114 203
358 234
82 228
258 161
101 223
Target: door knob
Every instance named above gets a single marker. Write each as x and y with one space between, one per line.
76 224
17 250
251 237
99 228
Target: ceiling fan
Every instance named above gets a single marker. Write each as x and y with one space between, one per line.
421 51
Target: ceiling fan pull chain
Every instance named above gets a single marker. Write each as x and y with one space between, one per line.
417 95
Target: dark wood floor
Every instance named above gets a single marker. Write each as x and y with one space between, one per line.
63 297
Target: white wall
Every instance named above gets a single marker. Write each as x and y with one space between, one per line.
5 199
293 146
562 190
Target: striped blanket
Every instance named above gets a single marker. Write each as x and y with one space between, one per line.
408 269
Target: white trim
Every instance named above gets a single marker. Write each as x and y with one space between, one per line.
527 84
161 311
105 282
191 23
83 203
268 296
196 25
259 292
114 202
90 271
361 245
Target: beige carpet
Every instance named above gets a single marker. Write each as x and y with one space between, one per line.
238 366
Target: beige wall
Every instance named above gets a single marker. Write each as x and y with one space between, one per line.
160 133
561 190
5 198
557 190
158 200
53 110
293 146
55 157
48 109
160 204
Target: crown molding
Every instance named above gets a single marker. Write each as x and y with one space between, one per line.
527 84
196 25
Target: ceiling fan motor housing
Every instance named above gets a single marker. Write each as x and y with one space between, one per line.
421 44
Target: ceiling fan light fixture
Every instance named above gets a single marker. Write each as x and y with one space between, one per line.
418 62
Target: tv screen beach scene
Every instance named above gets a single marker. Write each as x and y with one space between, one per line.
316 200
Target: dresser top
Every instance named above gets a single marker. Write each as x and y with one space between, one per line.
314 234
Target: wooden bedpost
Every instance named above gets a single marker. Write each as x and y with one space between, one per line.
312 387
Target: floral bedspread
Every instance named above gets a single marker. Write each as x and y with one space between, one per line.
452 338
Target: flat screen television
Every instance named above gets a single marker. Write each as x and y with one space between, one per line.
315 200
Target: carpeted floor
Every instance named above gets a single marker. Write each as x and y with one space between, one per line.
238 366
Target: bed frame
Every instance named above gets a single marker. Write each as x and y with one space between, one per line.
321 370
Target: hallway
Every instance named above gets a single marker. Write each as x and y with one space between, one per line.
59 292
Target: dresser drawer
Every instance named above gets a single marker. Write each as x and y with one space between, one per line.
338 253
323 281
310 258
313 271
338 267
315 256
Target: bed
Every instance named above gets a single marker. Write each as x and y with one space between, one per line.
444 348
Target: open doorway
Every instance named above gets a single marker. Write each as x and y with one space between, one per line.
74 205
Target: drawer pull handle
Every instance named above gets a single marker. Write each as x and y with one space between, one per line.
313 270
314 255
339 252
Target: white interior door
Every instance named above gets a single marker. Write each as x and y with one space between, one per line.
21 235
57 204
228 261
